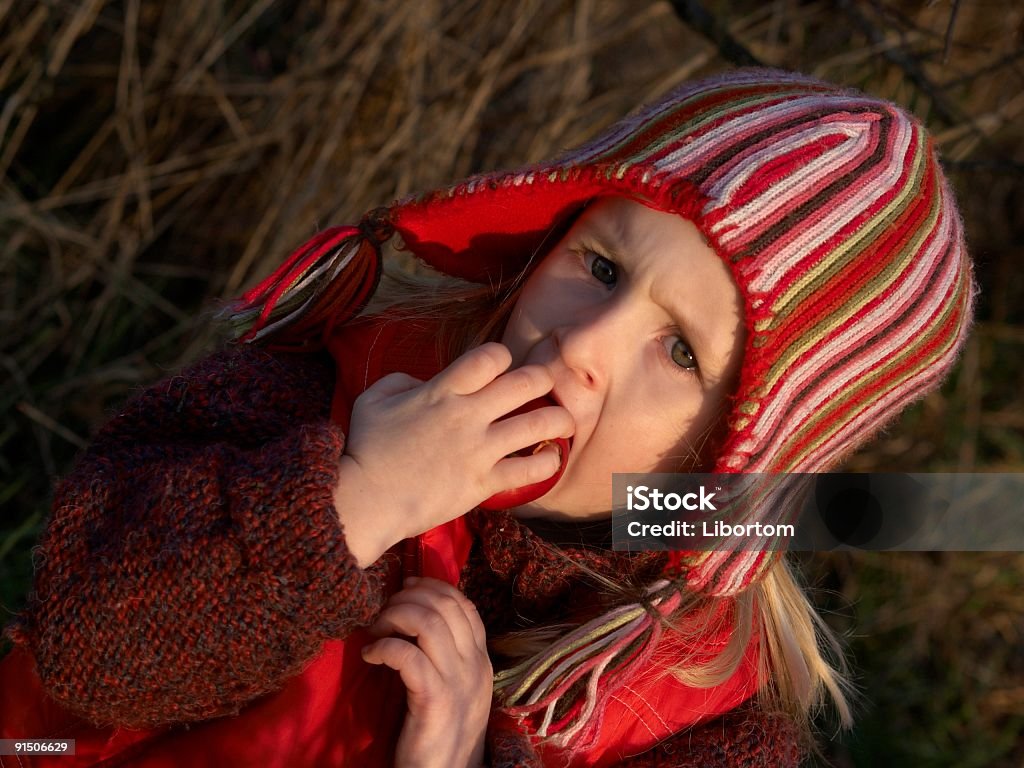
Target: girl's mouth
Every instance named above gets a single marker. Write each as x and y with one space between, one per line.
515 497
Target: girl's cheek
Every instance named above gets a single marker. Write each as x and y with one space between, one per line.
568 298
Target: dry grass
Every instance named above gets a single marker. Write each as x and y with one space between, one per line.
158 156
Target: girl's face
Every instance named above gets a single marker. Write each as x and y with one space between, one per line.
641 326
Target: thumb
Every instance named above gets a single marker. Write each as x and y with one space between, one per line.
392 384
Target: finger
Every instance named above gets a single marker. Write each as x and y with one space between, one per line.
463 618
475 369
519 471
417 672
526 429
429 627
455 614
516 388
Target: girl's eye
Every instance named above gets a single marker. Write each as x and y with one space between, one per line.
603 270
682 355
606 272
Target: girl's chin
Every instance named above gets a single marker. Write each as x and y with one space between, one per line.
529 511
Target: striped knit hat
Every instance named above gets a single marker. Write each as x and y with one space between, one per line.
838 225
829 206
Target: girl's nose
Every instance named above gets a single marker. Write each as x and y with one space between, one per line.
569 350
588 345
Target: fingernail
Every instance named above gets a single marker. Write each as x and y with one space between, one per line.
410 580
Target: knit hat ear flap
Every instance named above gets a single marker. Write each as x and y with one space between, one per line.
324 283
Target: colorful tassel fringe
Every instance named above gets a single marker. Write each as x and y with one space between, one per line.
307 296
579 674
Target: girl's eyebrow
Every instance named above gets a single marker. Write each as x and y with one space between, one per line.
609 245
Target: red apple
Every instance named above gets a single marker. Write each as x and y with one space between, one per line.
514 497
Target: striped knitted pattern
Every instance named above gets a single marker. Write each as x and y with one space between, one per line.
837 223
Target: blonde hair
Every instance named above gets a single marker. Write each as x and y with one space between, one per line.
800 659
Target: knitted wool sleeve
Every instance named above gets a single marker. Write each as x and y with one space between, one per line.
747 737
193 559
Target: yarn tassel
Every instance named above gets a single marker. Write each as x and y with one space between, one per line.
323 283
578 675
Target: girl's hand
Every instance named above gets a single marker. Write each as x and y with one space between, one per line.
447 673
421 454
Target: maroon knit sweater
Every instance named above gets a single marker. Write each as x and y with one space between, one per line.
194 561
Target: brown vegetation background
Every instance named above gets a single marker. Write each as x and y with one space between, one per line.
159 156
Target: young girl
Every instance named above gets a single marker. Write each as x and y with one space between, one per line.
754 274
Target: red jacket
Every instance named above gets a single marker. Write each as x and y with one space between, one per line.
268 609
